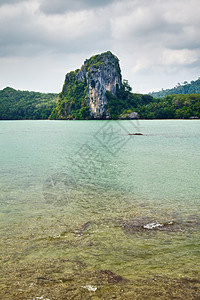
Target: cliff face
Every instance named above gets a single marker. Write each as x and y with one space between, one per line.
104 75
86 87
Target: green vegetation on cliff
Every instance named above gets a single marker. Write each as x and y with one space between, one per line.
21 105
98 60
85 87
72 102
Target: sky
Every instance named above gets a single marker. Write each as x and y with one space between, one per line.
156 41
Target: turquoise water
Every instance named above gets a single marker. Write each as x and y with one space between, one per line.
87 210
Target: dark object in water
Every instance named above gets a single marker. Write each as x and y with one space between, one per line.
137 133
109 277
84 228
143 225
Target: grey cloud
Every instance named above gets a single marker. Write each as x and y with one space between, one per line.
20 37
145 25
2 2
62 6
28 34
183 42
145 35
30 44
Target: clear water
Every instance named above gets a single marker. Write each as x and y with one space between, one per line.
88 211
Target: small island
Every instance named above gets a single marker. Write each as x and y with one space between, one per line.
97 91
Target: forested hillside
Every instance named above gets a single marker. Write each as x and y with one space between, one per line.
19 105
185 88
147 107
172 107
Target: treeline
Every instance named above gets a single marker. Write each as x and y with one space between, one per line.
171 107
185 88
22 105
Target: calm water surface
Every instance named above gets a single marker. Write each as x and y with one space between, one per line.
88 211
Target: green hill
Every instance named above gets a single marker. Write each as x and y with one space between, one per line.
21 105
171 107
186 88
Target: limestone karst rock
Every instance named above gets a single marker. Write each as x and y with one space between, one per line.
83 95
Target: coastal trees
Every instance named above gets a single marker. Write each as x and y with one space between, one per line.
147 107
19 105
172 107
126 102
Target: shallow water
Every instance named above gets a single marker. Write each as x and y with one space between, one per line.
90 212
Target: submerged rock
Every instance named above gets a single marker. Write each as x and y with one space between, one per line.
153 226
90 288
84 228
108 276
146 224
137 133
131 116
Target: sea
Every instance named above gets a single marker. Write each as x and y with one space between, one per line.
100 209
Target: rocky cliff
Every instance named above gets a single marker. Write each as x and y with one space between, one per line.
84 91
103 73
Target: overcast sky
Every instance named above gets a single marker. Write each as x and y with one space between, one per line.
156 41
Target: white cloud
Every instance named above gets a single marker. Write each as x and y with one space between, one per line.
178 57
9 2
153 39
63 6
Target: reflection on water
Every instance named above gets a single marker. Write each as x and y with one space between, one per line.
78 221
